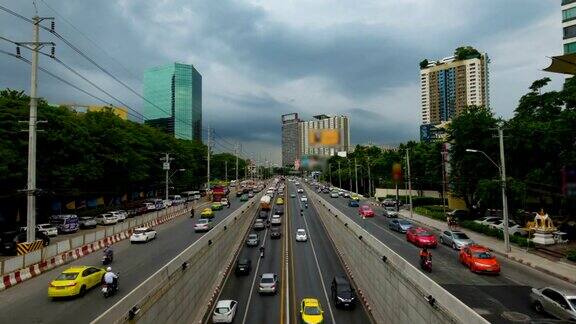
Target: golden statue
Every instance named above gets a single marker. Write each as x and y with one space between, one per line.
543 223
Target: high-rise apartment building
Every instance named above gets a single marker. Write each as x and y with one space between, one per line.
449 85
569 26
325 136
173 100
290 139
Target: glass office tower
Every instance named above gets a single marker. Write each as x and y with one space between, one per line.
173 100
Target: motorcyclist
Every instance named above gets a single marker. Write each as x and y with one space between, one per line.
192 213
111 279
306 205
262 251
108 252
425 255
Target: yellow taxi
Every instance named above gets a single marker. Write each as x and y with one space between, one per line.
75 281
311 311
279 201
355 197
207 213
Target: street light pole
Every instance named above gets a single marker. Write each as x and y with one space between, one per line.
369 179
356 174
339 176
409 181
502 171
226 170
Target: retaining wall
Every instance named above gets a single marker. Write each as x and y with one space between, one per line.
393 290
183 291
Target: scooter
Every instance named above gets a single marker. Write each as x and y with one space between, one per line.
426 265
108 257
110 290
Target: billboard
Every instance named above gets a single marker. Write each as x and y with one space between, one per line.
323 137
289 118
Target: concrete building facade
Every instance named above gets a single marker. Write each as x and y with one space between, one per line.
448 86
290 139
569 26
173 100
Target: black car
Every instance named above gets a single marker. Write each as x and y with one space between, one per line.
343 293
279 210
263 214
275 233
243 266
9 240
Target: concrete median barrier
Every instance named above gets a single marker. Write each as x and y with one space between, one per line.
32 257
183 290
63 246
89 237
14 264
49 251
100 235
77 241
402 294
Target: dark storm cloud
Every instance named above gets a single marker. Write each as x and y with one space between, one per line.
358 60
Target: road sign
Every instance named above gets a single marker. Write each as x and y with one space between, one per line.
166 166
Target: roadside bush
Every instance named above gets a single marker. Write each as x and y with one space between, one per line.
424 201
486 230
435 212
571 255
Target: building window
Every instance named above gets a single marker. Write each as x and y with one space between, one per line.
569 31
565 2
570 48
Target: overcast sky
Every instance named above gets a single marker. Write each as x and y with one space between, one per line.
263 58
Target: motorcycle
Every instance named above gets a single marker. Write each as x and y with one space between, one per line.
426 264
109 290
108 257
306 206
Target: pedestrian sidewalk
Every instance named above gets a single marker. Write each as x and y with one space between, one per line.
560 269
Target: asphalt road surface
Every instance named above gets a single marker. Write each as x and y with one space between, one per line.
28 302
311 267
500 299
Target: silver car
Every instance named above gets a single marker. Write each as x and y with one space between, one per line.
399 225
455 239
390 212
252 240
268 283
558 303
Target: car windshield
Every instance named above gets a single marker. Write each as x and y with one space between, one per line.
267 280
139 231
301 232
423 233
222 310
203 221
67 276
404 222
483 255
460 236
252 236
312 310
57 221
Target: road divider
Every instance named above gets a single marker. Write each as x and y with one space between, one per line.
21 268
392 289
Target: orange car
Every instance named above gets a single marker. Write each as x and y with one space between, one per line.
479 259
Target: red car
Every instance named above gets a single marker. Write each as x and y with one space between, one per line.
421 237
366 211
479 259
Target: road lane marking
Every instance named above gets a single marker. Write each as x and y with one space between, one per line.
319 271
257 265
283 262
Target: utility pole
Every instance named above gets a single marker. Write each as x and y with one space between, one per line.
356 174
208 158
330 173
349 176
226 170
33 122
339 176
236 153
504 197
409 181
443 154
369 179
166 167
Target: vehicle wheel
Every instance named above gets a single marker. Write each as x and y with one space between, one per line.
82 291
538 307
454 245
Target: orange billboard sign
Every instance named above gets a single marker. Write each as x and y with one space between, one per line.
324 137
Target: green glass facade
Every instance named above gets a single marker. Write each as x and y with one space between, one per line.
174 100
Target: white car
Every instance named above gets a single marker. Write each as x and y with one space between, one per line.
150 206
120 215
513 228
346 195
106 219
334 194
304 199
143 234
276 220
487 220
301 235
300 190
224 311
167 203
47 229
202 225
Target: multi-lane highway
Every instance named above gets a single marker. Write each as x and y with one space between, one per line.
28 301
499 299
305 269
